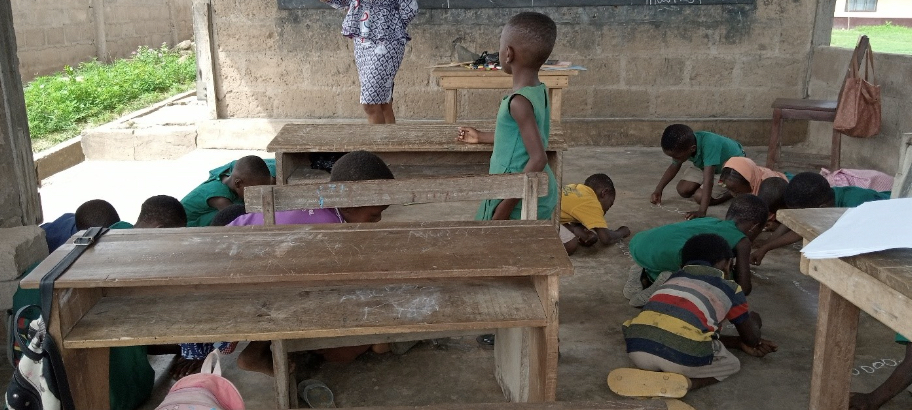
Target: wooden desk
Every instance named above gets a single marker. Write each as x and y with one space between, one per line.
164 286
878 283
453 79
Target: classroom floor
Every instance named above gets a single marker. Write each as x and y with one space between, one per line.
592 306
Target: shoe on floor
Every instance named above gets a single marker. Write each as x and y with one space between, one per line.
642 383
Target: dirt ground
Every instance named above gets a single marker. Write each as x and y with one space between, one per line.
592 309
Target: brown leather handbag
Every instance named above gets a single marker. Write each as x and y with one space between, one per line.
858 110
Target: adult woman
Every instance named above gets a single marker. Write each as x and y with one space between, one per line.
378 29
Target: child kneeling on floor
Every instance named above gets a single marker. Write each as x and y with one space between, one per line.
678 330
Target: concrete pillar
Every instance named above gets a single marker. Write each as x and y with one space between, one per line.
101 37
21 241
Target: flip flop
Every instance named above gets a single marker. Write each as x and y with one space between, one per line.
643 383
316 394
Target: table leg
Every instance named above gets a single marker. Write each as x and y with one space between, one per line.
449 112
87 369
285 388
804 263
834 351
556 162
556 103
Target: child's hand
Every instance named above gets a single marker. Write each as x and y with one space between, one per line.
656 198
624 231
694 214
764 348
862 401
468 135
757 256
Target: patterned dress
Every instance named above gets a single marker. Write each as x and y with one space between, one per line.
378 29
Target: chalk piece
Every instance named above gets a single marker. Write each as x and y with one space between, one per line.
642 383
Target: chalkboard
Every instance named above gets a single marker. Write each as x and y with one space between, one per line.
478 4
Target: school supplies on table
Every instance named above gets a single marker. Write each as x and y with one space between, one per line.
871 227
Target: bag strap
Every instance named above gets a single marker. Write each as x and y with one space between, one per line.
46 287
869 64
212 364
16 335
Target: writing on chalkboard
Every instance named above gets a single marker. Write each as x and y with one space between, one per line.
478 4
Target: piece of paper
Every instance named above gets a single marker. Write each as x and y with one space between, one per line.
871 227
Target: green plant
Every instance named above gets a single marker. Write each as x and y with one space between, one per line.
59 106
885 38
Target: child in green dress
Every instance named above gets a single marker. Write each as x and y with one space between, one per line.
524 119
214 195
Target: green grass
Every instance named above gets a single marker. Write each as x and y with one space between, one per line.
885 38
61 105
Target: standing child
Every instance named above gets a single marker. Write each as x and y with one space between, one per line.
707 153
524 119
583 208
657 252
213 195
677 333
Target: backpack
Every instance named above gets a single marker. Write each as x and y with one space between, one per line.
40 381
204 390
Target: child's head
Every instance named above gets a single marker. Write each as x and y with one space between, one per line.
749 213
603 187
679 142
360 166
527 41
735 182
772 192
248 171
809 190
709 248
162 211
96 212
227 215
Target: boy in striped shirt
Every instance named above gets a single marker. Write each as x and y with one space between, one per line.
678 330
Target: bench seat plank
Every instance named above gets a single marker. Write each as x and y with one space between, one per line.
288 313
295 253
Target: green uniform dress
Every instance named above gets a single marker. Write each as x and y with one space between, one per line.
659 249
510 155
852 196
130 376
714 150
196 203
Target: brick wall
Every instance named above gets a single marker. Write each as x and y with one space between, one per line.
51 34
646 64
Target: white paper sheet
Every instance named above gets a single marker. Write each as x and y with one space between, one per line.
871 227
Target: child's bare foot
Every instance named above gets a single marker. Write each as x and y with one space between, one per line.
185 367
380 348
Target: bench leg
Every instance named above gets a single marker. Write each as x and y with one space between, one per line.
285 388
449 113
772 154
835 151
834 351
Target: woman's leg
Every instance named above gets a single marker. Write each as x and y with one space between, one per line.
377 66
375 113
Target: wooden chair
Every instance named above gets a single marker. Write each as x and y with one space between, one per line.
812 110
269 199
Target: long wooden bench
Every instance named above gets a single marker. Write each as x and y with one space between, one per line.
270 199
326 283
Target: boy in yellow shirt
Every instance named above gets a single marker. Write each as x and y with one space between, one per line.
583 208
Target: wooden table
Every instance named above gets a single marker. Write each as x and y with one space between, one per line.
453 79
878 283
165 286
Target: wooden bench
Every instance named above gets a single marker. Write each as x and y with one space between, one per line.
270 199
453 79
164 286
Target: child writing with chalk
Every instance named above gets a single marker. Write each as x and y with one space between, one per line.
524 119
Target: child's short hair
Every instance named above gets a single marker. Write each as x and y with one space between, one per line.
748 208
228 214
360 166
538 31
163 209
599 182
96 212
772 192
808 190
677 137
252 167
706 247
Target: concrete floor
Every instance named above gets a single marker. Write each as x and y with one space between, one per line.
592 306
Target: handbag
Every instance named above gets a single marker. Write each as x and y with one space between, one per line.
858 109
40 381
204 390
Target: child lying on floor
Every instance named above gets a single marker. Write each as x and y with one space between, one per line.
583 208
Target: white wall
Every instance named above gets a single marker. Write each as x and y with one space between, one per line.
885 9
